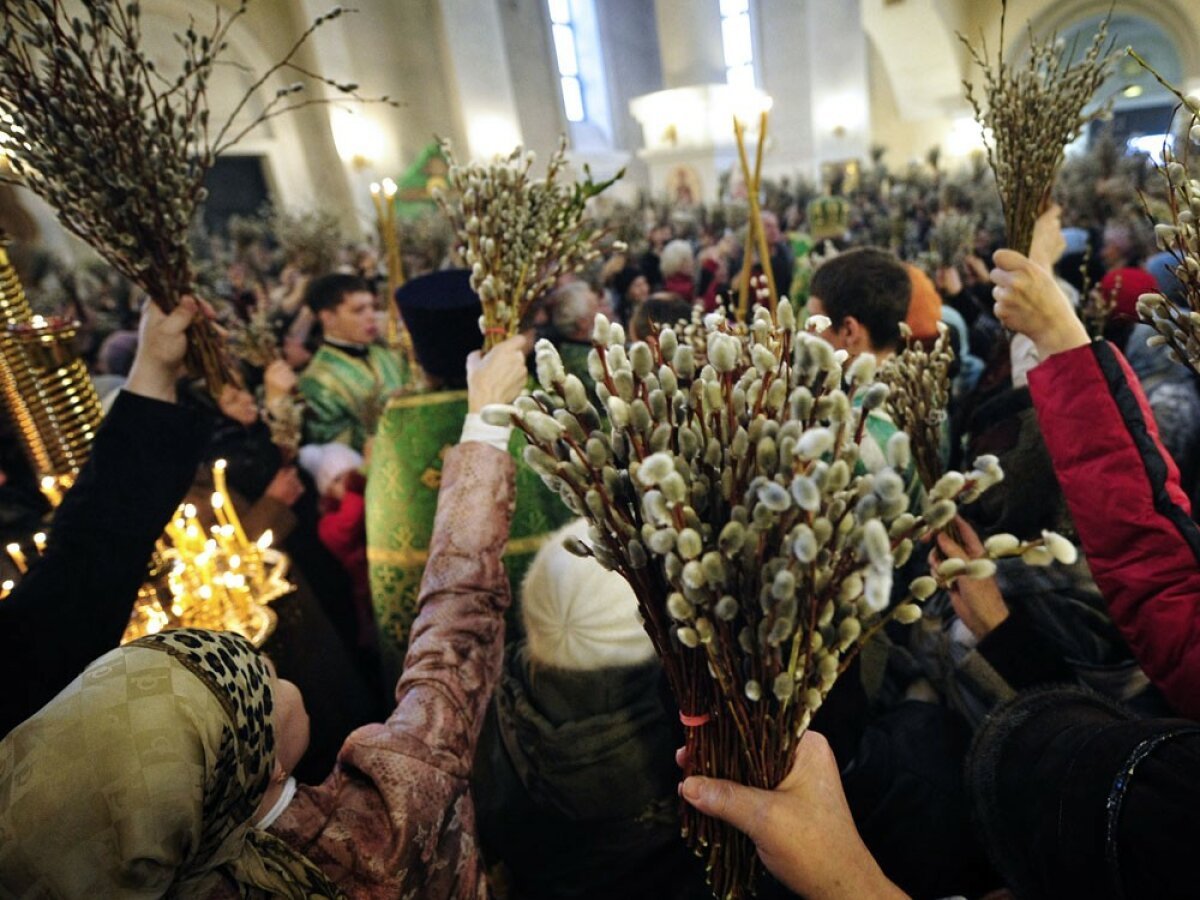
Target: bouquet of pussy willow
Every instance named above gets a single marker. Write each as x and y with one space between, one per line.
518 235
732 498
1178 324
1029 113
120 148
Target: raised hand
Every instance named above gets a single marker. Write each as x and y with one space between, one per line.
497 377
162 343
1029 301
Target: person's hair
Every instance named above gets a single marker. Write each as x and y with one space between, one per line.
676 257
570 305
869 284
329 291
662 309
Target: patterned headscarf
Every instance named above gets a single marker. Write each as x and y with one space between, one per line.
142 778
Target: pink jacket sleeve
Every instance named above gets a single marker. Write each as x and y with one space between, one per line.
395 818
1134 520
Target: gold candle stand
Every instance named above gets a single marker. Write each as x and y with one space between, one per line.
383 195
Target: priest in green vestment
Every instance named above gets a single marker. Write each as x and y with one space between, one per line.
351 376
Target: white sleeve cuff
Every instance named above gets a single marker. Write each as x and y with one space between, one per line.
475 429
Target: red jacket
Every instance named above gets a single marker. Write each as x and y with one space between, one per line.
1134 520
681 284
344 532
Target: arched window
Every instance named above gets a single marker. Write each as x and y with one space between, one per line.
1142 108
737 42
566 52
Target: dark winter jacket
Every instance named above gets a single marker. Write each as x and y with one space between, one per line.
575 784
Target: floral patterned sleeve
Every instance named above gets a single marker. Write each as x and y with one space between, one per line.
395 819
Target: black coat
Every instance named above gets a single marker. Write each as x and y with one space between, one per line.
75 602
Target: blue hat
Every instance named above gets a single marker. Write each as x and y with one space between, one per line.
1077 240
1162 266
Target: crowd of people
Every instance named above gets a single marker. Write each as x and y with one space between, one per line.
1035 732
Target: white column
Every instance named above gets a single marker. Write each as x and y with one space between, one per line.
689 40
837 50
477 63
787 75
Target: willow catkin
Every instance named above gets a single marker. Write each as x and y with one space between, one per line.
1029 113
518 235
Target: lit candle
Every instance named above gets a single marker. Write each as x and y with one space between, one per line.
6 588
39 541
50 491
218 507
231 516
378 201
18 558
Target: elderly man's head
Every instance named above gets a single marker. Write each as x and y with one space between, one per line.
574 307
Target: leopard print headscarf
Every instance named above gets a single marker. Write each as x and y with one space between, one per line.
146 773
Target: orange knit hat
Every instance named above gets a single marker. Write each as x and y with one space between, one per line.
925 308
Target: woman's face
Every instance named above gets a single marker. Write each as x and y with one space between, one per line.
639 289
238 405
290 721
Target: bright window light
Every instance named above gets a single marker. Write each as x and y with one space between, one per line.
564 48
735 32
572 99
740 76
566 53
737 42
1152 145
560 12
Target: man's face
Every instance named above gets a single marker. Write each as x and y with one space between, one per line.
831 334
770 226
1116 247
588 321
353 320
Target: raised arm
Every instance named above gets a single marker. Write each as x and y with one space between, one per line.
76 600
395 816
457 639
1121 486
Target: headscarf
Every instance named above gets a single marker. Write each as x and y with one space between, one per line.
142 778
1124 287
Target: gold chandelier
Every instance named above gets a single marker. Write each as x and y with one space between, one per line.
218 579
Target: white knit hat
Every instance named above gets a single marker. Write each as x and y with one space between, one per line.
577 614
326 463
